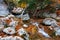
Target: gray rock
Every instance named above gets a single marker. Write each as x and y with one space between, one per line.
48 21
53 15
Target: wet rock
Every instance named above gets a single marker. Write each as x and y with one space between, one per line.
17 10
9 30
48 21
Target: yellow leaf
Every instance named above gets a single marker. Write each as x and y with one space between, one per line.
23 5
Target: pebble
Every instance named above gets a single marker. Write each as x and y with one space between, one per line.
25 25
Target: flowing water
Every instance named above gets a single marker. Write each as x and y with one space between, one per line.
3 9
